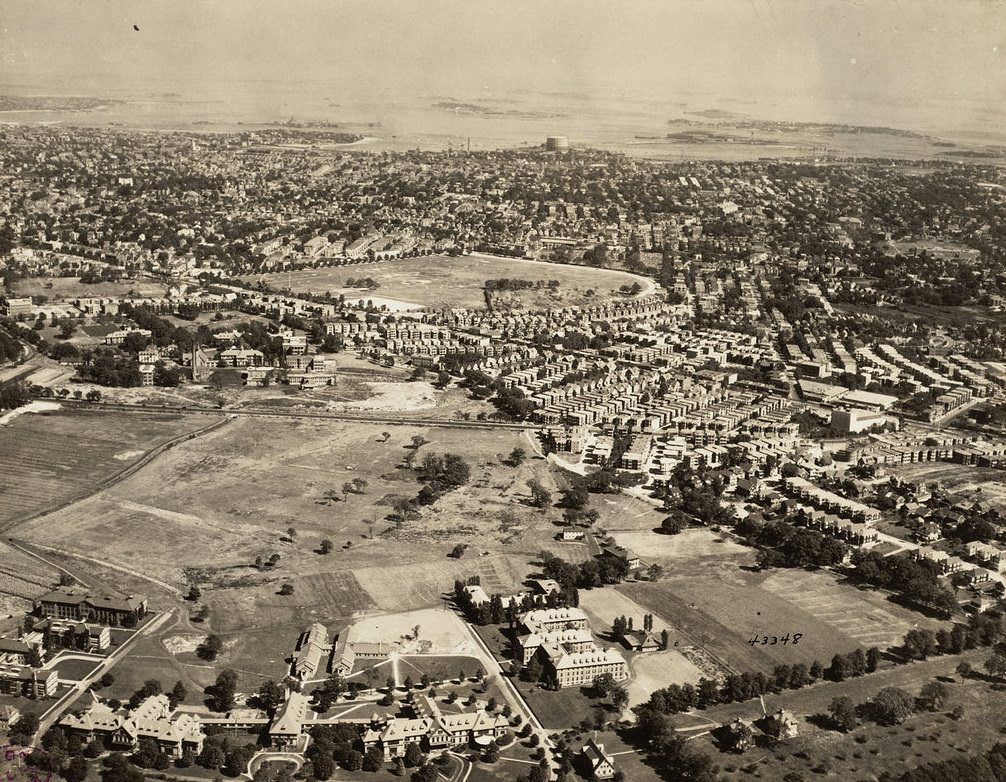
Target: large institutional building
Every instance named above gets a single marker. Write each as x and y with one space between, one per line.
561 639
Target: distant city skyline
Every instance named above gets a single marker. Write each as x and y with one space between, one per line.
906 64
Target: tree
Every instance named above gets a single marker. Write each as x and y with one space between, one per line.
194 593
326 546
492 753
919 644
674 523
177 694
212 756
322 766
426 773
619 697
893 706
270 695
211 646
517 457
934 695
604 683
540 496
353 761
414 755
996 665
286 588
76 770
221 693
843 713
872 659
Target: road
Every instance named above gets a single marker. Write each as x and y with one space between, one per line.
52 715
385 420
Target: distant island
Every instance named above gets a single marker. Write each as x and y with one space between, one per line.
52 103
794 127
485 111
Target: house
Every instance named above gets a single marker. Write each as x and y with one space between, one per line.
546 586
623 554
9 715
287 728
122 730
641 641
21 651
782 725
597 763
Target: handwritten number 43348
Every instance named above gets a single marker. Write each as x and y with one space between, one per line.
772 640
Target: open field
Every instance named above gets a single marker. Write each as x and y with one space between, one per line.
22 579
442 281
66 288
47 459
232 494
654 670
723 612
440 632
693 551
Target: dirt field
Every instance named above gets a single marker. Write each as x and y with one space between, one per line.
48 458
440 632
442 281
654 670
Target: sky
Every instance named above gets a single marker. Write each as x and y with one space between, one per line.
802 54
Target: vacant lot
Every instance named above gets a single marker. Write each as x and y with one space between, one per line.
723 612
49 458
443 281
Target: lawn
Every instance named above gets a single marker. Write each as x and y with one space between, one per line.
443 281
50 458
558 709
74 670
438 667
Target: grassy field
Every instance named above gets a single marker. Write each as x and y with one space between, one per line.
443 281
231 495
22 579
49 458
74 670
65 288
723 612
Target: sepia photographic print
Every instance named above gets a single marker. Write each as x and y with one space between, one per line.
503 391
